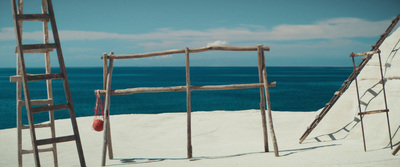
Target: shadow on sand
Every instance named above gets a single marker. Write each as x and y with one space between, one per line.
129 161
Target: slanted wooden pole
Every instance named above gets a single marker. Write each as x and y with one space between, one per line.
188 106
262 98
271 125
106 128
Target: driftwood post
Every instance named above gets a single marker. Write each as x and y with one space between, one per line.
188 105
271 125
262 97
107 136
105 72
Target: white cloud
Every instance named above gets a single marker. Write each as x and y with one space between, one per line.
326 29
217 43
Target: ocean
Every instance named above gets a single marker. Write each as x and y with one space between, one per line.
298 89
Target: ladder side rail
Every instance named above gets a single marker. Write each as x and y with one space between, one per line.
359 105
49 82
25 82
66 84
384 97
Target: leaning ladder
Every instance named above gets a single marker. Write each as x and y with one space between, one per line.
362 114
347 82
22 79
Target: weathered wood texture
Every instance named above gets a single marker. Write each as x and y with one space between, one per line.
188 106
106 133
129 91
372 112
182 51
269 111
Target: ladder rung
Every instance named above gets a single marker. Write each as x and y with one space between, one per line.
36 77
39 150
38 48
36 102
55 140
33 17
363 53
46 125
372 112
50 108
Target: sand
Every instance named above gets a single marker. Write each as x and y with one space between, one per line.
234 138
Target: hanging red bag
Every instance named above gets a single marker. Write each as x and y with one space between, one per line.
98 121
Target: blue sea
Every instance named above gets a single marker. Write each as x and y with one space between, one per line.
298 89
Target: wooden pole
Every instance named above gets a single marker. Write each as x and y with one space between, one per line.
262 98
188 106
359 103
271 125
384 97
18 34
19 94
67 89
105 58
107 113
49 82
105 71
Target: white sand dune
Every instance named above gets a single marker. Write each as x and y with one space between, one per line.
234 138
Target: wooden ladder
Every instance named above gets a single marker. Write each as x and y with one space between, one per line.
22 79
386 110
348 81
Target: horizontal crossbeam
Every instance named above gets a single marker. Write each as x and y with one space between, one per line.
183 88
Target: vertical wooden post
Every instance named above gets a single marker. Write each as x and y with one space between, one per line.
358 99
384 97
262 98
105 58
19 93
271 125
106 128
105 71
188 106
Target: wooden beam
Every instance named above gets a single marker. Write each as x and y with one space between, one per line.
183 88
364 53
372 112
182 51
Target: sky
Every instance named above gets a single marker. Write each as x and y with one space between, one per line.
299 33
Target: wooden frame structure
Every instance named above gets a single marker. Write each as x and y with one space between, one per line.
22 78
362 114
262 85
